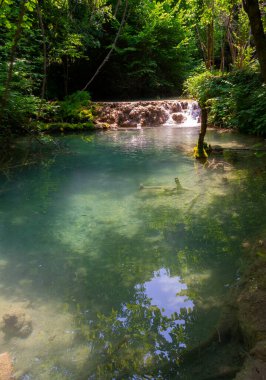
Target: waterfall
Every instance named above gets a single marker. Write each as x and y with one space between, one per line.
188 117
141 114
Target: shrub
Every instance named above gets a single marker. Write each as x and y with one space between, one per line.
235 100
20 104
76 107
65 127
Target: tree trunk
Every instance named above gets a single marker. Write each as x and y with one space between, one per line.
252 9
66 75
222 64
210 45
12 57
231 46
39 12
202 46
210 38
227 26
116 7
204 120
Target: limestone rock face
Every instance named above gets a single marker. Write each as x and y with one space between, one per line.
184 105
179 117
144 113
16 322
6 367
129 124
176 107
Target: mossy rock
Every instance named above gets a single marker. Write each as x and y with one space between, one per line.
66 127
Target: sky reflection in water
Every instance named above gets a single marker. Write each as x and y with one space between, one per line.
163 291
77 234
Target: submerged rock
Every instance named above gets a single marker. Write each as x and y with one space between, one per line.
16 322
246 244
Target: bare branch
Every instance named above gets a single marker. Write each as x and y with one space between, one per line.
112 48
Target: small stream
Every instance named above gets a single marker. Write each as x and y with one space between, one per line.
119 279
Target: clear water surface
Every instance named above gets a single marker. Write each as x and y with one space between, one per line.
118 281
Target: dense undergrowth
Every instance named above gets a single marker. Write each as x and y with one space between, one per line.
52 53
75 112
26 113
234 100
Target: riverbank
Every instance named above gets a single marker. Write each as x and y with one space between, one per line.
250 302
237 348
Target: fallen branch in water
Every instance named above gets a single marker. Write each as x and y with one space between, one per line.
178 187
215 165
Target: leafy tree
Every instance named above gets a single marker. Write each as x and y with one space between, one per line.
14 20
253 11
154 53
116 49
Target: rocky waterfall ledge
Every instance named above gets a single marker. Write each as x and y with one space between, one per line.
140 114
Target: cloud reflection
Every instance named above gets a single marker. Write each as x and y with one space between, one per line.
163 292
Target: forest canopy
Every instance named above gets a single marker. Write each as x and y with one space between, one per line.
127 49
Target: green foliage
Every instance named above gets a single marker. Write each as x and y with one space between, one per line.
199 87
244 51
74 113
240 102
76 107
64 127
133 343
21 104
20 109
72 29
235 100
154 53
61 45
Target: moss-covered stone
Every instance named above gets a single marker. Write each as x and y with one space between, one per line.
65 127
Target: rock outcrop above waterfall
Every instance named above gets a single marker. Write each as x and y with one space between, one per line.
146 113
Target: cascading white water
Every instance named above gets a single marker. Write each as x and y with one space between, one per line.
136 115
191 116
